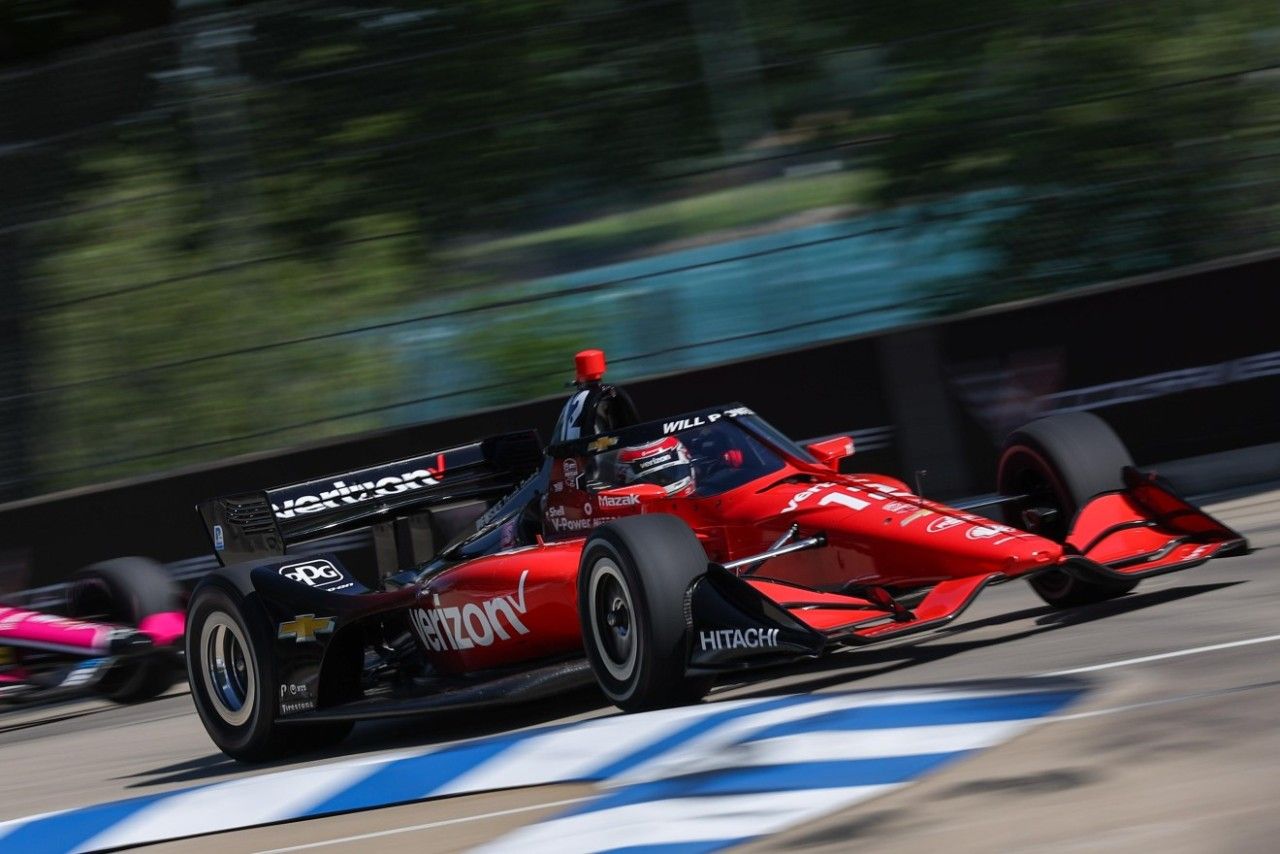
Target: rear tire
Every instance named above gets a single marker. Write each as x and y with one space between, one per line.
1062 462
124 591
232 676
633 581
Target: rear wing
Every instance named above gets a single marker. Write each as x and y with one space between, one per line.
265 523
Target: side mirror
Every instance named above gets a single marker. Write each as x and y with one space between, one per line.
629 497
830 452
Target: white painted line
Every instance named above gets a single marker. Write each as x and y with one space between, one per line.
849 745
674 820
1162 656
1163 701
428 826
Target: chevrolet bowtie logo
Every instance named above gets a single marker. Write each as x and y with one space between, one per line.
305 627
603 443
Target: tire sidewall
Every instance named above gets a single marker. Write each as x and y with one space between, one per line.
136 587
1078 456
133 588
1027 455
618 690
251 738
659 558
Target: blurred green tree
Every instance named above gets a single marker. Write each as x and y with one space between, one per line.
1136 136
259 173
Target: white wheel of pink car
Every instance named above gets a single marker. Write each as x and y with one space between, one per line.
125 591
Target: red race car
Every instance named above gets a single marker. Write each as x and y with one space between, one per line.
120 637
646 556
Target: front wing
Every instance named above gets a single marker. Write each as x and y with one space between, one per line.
1140 531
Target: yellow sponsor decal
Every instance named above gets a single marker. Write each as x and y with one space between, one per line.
305 627
919 514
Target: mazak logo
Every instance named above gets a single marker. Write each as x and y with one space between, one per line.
942 523
344 494
472 625
609 502
314 573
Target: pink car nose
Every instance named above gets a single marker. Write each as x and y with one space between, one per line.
164 629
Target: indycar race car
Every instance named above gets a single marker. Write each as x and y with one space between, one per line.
648 557
120 637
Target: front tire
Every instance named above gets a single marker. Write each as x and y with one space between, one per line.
124 591
232 676
1061 462
633 582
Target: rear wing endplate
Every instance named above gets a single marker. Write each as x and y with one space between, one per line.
265 523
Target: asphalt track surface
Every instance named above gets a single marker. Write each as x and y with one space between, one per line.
1177 746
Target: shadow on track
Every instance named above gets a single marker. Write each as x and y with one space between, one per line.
857 664
393 734
829 671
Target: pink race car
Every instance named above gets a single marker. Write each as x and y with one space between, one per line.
119 638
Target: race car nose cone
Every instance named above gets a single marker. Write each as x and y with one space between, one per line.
590 365
1039 557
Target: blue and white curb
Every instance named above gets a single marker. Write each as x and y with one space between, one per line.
691 779
763 772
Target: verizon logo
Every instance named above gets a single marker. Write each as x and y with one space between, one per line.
472 624
344 494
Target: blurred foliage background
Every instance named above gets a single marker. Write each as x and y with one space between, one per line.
233 226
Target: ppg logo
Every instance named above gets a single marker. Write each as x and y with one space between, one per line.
316 573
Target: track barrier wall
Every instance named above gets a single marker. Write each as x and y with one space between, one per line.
1181 366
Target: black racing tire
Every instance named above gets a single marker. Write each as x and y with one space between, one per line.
1062 462
124 591
640 569
233 679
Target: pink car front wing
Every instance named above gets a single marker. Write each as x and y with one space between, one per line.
51 633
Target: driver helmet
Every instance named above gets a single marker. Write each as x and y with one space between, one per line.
664 463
